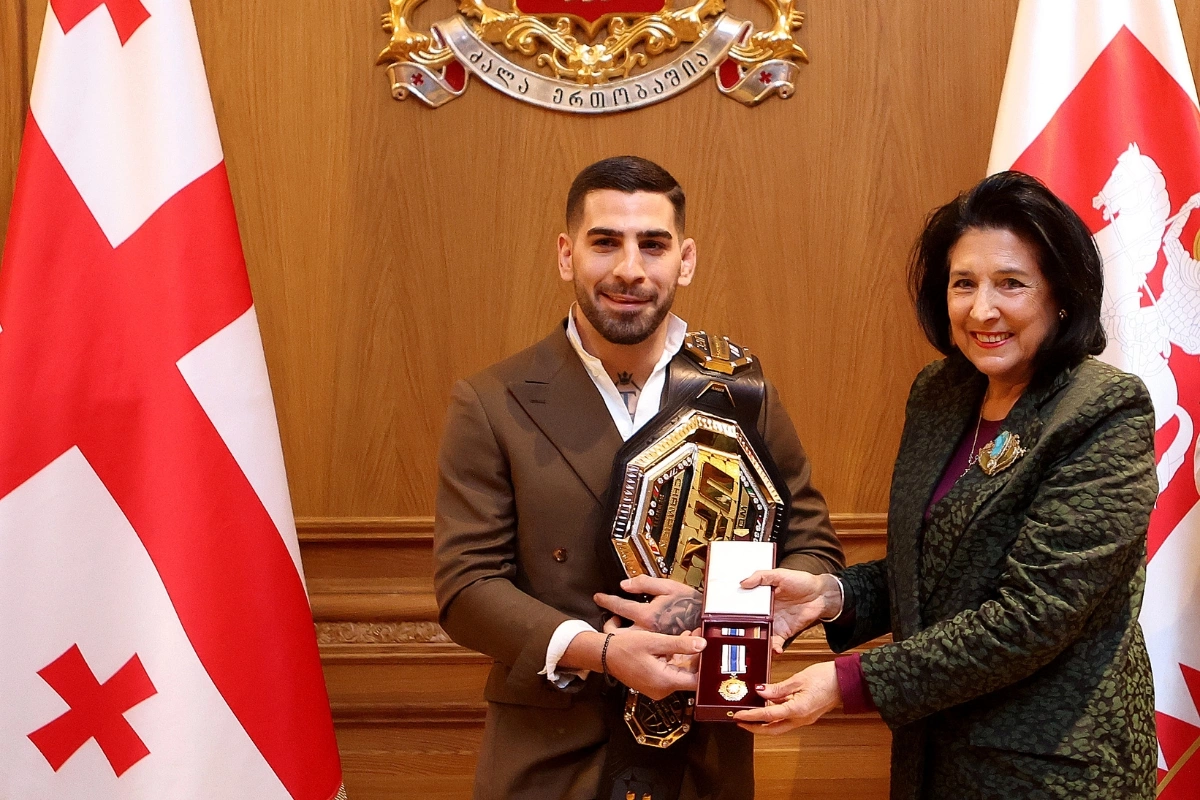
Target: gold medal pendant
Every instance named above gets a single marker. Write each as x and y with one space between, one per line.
733 664
1000 453
733 689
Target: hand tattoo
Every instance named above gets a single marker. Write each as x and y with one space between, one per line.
679 616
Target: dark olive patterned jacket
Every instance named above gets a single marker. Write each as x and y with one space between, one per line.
1018 669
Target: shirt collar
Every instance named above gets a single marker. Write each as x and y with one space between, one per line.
676 331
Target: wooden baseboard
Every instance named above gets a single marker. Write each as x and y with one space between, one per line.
408 703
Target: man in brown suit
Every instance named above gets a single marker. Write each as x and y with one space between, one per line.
521 529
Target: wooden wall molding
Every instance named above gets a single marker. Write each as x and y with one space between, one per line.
364 529
810 646
404 697
393 678
407 530
378 633
441 653
472 715
459 715
371 600
370 578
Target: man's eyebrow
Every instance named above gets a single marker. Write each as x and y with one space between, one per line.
657 233
654 233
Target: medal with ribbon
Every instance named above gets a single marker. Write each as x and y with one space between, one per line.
733 664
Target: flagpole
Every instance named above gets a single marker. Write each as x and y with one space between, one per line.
1177 766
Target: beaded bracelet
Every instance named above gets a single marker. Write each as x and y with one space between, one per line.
604 653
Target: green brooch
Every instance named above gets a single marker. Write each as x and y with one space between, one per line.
1000 453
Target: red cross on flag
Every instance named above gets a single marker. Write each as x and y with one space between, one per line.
1099 102
158 641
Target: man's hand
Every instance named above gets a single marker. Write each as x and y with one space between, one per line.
674 609
800 700
646 662
800 600
639 659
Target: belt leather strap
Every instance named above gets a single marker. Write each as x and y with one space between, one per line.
711 375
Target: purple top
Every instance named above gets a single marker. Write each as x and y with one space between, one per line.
856 697
988 430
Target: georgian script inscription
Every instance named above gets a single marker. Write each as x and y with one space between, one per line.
641 90
604 97
588 56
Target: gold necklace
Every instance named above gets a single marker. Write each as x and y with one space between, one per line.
973 457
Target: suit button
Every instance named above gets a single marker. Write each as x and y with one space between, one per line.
560 555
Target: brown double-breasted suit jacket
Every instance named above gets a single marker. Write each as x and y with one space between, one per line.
1018 668
520 532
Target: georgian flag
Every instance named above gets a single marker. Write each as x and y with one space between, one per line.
157 638
1099 102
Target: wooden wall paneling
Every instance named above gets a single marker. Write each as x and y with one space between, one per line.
13 102
376 233
34 21
831 315
408 704
434 692
837 758
433 763
283 85
393 249
396 248
379 571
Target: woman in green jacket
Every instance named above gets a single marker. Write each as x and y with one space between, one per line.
1017 525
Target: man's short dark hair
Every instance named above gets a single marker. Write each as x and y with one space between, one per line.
627 174
1066 253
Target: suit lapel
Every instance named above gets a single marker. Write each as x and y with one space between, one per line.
560 398
929 443
954 517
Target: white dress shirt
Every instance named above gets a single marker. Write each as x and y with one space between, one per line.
627 425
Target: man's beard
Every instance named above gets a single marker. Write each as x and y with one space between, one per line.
624 328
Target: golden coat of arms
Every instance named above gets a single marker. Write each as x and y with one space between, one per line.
592 56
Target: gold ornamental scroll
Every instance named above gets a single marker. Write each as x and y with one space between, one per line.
592 57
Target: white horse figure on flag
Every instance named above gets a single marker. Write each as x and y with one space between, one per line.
1137 207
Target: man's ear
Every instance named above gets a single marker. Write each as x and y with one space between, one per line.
687 267
566 268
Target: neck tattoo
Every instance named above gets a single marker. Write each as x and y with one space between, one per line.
629 391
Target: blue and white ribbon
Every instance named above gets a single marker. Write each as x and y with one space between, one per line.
733 659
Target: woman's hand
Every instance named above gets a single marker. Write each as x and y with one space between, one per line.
800 700
800 600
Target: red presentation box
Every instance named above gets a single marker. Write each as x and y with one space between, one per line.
736 624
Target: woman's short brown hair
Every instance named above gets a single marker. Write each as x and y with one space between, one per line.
1066 252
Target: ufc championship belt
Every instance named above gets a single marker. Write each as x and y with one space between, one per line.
697 472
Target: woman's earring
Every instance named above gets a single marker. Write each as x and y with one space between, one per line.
1062 313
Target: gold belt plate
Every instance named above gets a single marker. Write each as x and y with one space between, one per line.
700 481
